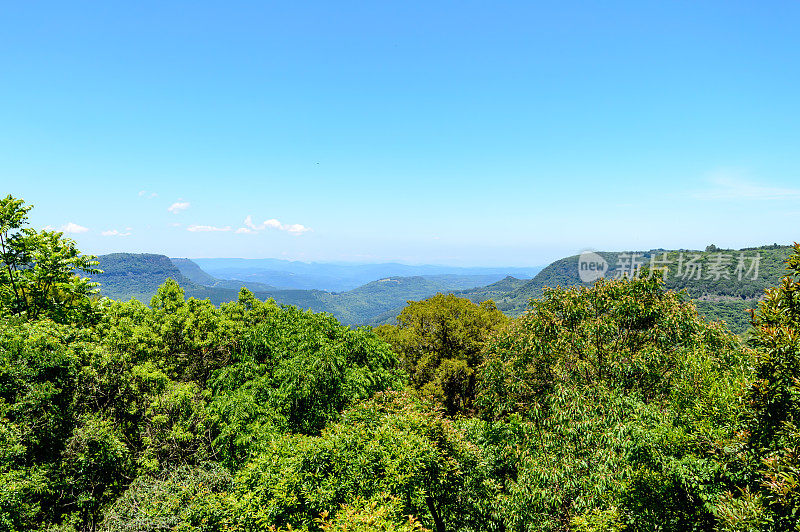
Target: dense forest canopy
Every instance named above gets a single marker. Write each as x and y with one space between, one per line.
612 406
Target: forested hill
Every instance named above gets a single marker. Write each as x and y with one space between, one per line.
137 276
711 278
724 283
191 270
680 274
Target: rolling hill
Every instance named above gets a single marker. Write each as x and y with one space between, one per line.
719 297
199 276
710 278
136 275
128 275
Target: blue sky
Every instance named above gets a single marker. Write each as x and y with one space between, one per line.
471 133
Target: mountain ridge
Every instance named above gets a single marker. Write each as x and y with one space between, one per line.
380 300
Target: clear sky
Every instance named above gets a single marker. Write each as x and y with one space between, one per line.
472 133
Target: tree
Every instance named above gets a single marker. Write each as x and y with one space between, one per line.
631 335
772 435
393 446
440 342
37 270
624 395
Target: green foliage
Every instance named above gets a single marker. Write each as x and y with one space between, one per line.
94 462
150 390
295 372
36 380
379 514
37 270
612 407
183 499
772 437
440 342
631 335
393 445
624 396
735 313
606 520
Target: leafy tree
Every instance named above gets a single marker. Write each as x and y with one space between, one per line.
94 462
181 499
392 445
440 343
630 335
296 372
379 514
37 269
770 495
619 390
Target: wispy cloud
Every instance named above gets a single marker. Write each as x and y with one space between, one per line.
73 228
732 187
146 194
114 232
250 227
178 206
207 228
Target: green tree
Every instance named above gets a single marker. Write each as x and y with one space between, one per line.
37 270
391 445
440 343
624 395
771 494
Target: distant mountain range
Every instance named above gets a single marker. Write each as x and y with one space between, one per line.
339 277
724 284
128 275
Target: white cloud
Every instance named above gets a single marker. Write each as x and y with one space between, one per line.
73 228
114 232
143 193
178 206
207 228
245 231
731 187
272 223
296 229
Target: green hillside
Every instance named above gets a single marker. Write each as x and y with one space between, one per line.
499 291
136 275
710 278
361 305
193 272
717 297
